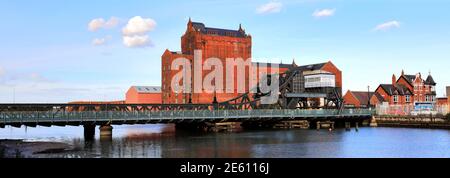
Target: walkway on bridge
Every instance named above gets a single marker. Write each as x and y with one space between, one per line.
76 118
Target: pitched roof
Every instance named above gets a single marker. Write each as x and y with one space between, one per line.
430 80
271 64
147 89
403 90
379 97
410 78
312 67
217 31
395 90
388 88
362 97
176 52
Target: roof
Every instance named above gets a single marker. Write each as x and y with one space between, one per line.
430 80
410 78
312 67
388 88
362 97
271 64
217 31
176 52
395 90
379 97
147 89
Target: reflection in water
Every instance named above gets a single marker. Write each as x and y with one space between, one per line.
163 141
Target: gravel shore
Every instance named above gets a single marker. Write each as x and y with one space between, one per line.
24 149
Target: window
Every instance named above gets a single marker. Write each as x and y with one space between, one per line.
395 98
408 98
427 98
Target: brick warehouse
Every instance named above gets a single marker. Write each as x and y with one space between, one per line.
143 95
214 42
223 44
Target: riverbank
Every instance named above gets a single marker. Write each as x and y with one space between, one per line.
25 149
413 122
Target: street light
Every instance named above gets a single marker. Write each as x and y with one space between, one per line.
368 95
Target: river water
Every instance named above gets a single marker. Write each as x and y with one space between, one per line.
162 141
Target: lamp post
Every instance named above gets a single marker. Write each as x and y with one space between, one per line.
368 95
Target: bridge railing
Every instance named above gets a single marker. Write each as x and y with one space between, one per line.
75 116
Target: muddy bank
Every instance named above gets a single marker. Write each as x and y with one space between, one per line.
24 149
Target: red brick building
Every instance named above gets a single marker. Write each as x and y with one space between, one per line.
357 99
406 90
319 71
213 42
448 97
143 95
223 44
442 101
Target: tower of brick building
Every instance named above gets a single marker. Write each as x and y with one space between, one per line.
213 43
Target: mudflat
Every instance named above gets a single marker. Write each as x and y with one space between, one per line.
26 149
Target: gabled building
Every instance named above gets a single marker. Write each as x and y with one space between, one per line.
357 99
143 95
406 90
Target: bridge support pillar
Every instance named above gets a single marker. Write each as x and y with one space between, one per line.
89 132
348 126
106 132
373 122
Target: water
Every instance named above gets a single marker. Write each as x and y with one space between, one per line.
161 141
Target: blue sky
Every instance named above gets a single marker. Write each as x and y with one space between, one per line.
47 52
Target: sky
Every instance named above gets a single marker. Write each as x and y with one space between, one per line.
60 51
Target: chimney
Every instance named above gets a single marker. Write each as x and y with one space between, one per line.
394 79
403 72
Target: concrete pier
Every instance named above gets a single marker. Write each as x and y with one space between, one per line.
348 126
413 121
211 126
106 132
301 124
89 132
373 122
222 126
325 125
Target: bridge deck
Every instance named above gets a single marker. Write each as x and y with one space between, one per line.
57 117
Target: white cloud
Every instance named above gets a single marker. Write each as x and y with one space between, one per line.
387 25
324 13
136 41
98 41
271 7
100 23
138 26
112 22
135 32
101 41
